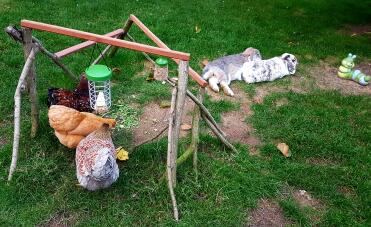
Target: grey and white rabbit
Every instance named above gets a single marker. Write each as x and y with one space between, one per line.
247 66
224 70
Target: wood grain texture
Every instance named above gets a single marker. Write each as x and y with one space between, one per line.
104 39
86 44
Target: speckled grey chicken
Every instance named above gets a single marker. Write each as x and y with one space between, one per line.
96 166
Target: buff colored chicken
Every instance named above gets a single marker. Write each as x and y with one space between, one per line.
96 166
71 126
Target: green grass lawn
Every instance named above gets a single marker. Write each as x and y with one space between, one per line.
320 126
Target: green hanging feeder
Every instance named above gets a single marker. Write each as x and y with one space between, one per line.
99 79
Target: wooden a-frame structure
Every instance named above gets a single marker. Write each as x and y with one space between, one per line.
115 40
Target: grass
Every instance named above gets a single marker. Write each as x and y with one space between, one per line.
328 133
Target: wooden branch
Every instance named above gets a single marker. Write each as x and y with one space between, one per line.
55 59
31 82
17 110
18 36
125 29
144 53
104 39
204 110
170 153
196 130
101 55
86 44
180 100
161 44
218 134
192 149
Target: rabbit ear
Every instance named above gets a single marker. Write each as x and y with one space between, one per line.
354 56
350 55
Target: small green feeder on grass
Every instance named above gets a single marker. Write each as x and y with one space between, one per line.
161 69
99 77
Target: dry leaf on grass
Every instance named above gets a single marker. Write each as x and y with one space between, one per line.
284 148
116 70
165 104
197 29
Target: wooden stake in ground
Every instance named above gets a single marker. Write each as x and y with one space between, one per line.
170 153
31 82
196 130
17 109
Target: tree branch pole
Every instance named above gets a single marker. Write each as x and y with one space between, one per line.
55 59
31 82
202 108
17 109
101 55
17 35
144 53
217 133
126 29
180 100
196 131
170 153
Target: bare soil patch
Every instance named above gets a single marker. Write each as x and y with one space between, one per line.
281 102
268 213
154 120
322 162
233 122
3 141
354 30
347 191
59 219
304 199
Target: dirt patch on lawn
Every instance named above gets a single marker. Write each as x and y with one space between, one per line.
268 213
3 141
321 162
233 122
347 191
304 199
355 30
326 78
154 121
59 219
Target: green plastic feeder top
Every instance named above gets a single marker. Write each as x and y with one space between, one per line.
161 62
98 73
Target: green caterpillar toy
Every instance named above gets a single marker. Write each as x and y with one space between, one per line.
346 71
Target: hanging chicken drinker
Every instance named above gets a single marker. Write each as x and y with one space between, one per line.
99 87
161 69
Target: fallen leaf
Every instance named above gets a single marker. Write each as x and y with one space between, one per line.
116 70
284 148
185 127
197 29
122 154
165 104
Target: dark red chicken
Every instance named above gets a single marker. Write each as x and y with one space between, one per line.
77 99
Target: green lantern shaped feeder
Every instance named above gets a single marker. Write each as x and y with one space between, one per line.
99 87
161 69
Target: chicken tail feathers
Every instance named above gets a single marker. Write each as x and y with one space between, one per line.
105 166
51 98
